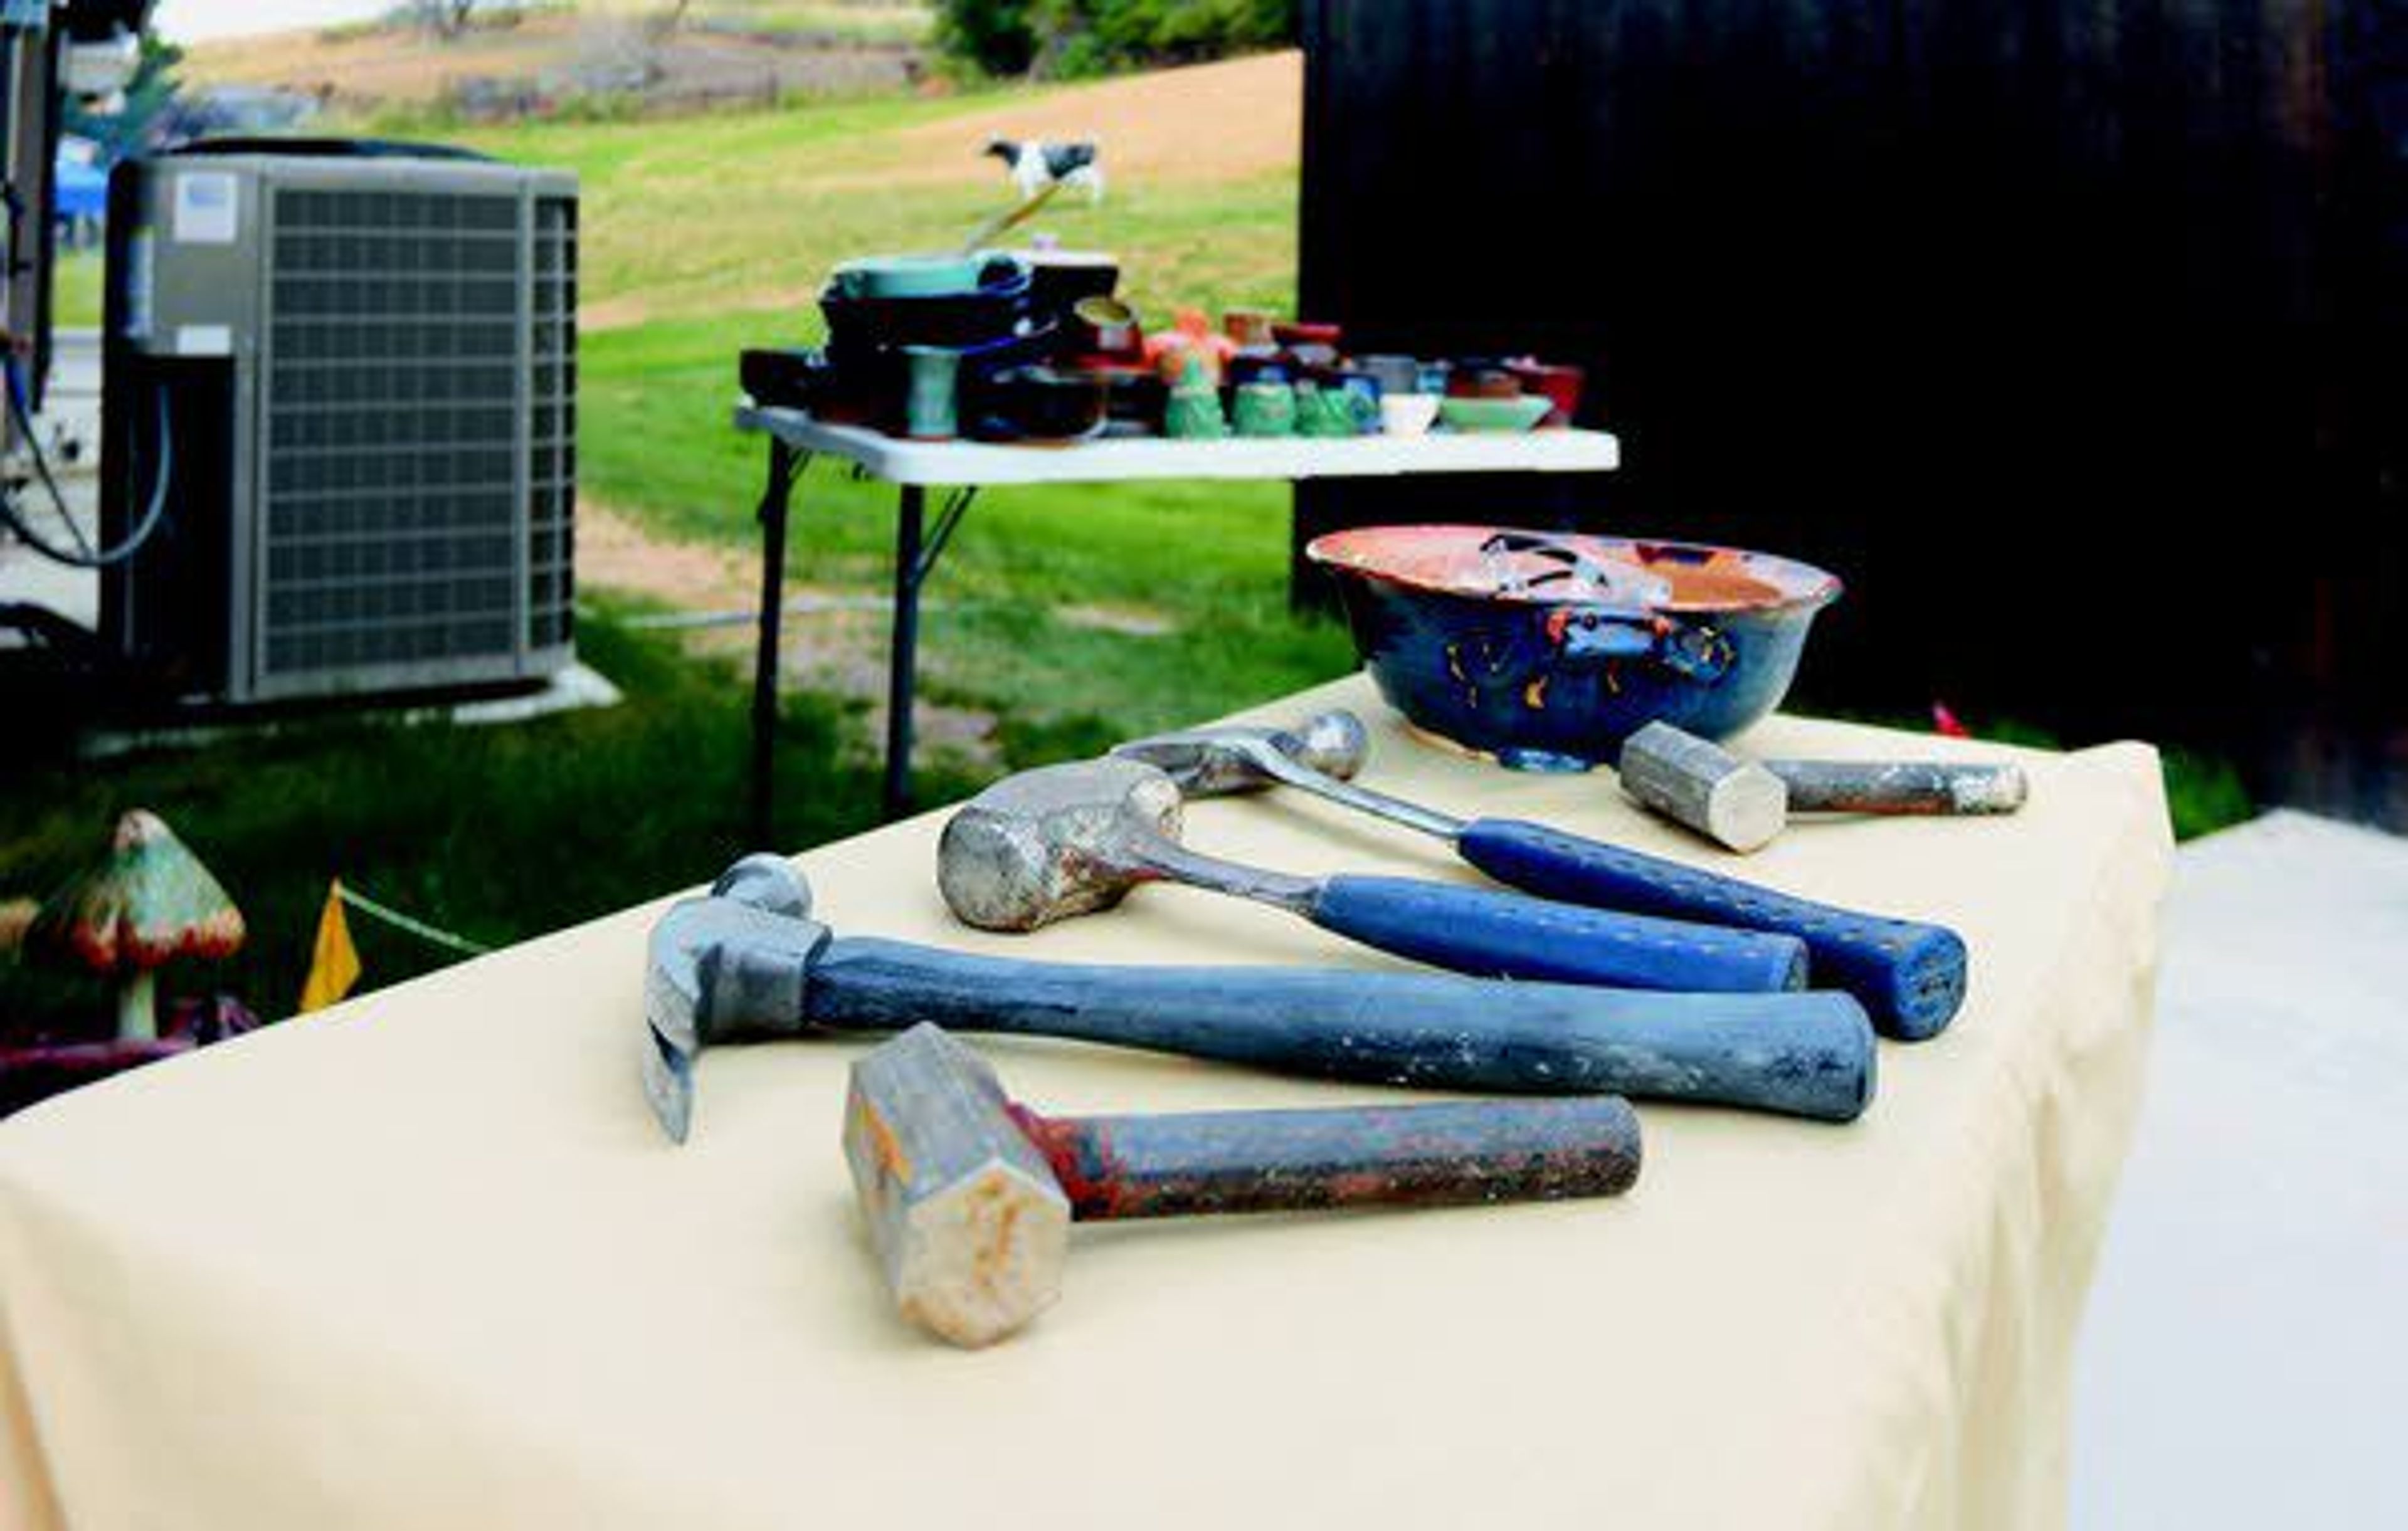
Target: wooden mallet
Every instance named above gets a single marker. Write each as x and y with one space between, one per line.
969 1197
1742 805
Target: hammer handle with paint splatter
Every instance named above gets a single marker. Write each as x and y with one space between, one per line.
1900 786
1453 1154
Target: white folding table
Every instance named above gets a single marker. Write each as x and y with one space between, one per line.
962 468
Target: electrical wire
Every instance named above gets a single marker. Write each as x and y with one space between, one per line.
84 556
20 408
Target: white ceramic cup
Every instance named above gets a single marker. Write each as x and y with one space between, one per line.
1408 414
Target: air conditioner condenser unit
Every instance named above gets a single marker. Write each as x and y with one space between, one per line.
342 378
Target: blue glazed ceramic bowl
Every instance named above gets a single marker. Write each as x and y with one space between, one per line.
1547 650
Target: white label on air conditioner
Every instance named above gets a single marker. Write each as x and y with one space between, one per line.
208 208
140 270
204 340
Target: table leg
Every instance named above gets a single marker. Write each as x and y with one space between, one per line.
785 464
900 679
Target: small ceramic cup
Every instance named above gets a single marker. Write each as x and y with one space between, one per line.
1106 327
1324 411
1266 408
1394 374
1408 414
928 409
1362 393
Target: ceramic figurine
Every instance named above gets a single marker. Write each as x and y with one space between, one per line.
1194 412
1035 164
147 903
1190 334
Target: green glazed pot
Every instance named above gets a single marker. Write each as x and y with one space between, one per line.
1507 414
1266 408
913 276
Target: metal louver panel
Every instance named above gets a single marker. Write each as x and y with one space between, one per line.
415 407
551 428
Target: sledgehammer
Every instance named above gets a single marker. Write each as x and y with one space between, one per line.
969 1197
747 962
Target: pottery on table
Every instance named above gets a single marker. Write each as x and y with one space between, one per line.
1249 329
1192 410
1482 380
1394 374
1058 278
1520 412
993 307
1408 414
1264 409
1253 366
1324 411
1547 650
1038 406
1106 328
920 276
1559 385
1293 334
928 404
1362 392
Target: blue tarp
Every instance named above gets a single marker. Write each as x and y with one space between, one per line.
82 190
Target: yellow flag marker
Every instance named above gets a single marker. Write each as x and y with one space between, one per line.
334 961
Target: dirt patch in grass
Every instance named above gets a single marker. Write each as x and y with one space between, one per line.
835 645
1209 123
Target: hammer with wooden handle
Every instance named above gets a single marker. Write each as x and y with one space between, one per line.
1909 975
748 964
970 1196
1066 841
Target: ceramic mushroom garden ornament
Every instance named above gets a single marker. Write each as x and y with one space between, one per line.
147 903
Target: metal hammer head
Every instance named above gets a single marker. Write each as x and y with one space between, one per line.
1054 842
717 967
1216 762
967 1219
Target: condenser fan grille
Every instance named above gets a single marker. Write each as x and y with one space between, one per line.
417 480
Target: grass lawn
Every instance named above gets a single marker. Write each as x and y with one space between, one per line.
74 300
496 833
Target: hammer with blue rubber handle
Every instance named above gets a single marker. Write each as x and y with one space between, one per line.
747 962
1909 975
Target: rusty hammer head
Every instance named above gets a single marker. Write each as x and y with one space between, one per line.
1056 842
1217 761
967 1219
719 968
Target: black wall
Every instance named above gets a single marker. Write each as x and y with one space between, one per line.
2069 335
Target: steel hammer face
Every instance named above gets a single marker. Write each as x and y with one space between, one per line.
731 964
969 1224
1219 762
1054 842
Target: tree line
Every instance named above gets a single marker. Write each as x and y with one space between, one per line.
1063 39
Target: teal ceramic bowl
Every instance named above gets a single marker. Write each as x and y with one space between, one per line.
1507 414
915 276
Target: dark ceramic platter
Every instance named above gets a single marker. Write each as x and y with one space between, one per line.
1548 649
